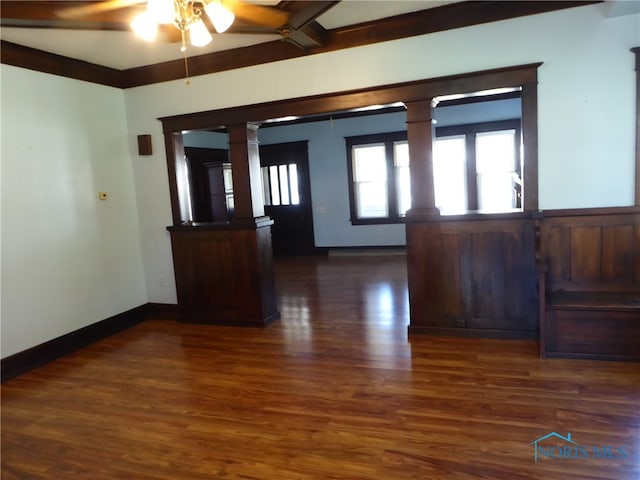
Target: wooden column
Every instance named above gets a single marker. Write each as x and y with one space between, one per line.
245 166
636 51
424 272
529 101
420 137
224 270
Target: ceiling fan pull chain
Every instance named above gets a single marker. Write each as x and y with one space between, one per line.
183 48
187 81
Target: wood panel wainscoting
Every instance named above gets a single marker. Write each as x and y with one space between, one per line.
224 273
473 275
590 283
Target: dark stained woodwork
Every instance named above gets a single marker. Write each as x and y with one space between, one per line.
432 20
292 231
406 92
245 165
224 273
33 59
420 137
425 271
304 12
442 18
332 391
144 145
590 283
589 253
636 52
302 29
473 276
174 148
604 333
530 145
423 241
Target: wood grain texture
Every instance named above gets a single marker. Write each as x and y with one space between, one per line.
477 275
224 274
332 391
599 251
589 290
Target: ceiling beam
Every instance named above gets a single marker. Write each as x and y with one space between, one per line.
438 19
303 12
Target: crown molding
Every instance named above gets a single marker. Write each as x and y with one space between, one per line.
41 61
447 17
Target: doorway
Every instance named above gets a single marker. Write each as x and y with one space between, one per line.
287 195
210 184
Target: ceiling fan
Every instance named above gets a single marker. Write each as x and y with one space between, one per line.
293 20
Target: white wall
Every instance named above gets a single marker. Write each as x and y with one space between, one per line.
68 259
586 105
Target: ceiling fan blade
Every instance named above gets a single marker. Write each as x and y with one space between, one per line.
88 8
258 14
46 14
169 34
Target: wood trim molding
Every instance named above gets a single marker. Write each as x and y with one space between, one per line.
524 76
636 52
530 191
447 17
21 362
515 76
38 60
590 212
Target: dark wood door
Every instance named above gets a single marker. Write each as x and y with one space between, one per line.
285 174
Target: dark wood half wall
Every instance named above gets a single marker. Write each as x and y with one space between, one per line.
447 17
473 275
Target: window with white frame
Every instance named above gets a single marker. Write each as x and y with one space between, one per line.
378 166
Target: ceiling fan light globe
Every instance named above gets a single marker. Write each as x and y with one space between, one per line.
145 26
164 11
220 16
199 35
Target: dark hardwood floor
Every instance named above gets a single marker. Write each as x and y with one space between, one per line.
334 390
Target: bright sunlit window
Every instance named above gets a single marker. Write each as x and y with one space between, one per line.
370 180
478 167
475 167
449 174
379 173
496 169
280 184
403 180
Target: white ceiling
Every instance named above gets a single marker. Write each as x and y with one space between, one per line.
123 50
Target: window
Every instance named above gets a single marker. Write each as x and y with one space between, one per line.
280 184
475 167
378 167
478 167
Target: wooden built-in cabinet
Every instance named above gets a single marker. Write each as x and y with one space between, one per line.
590 283
224 273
